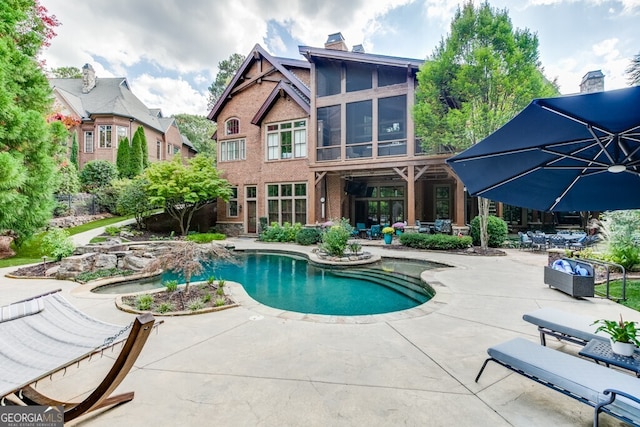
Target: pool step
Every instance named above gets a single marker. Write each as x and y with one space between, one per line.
411 287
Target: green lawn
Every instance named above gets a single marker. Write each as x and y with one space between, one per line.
615 292
30 252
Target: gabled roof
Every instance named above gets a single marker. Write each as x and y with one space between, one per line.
369 58
275 94
282 65
110 96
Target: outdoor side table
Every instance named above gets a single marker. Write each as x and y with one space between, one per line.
600 351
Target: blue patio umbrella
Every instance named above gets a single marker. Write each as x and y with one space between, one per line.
569 153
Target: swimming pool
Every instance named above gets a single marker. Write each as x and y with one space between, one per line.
290 282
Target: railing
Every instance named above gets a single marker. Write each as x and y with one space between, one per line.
607 266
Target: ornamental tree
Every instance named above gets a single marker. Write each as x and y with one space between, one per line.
123 158
184 189
134 200
74 150
135 157
477 79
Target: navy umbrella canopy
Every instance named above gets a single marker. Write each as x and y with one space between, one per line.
570 153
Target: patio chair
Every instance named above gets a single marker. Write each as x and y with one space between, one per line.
557 241
442 226
45 334
525 241
375 232
360 227
564 326
421 228
539 241
604 389
585 242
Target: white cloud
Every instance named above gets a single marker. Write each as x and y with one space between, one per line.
172 96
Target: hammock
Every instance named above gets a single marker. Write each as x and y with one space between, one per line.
45 334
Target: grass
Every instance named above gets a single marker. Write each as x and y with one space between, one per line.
615 292
30 252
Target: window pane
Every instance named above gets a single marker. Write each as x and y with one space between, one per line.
301 123
391 76
329 75
286 190
272 146
301 189
358 77
233 208
392 116
273 214
359 120
300 141
301 211
329 126
272 190
286 146
287 210
252 192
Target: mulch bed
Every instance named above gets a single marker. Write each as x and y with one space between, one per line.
202 295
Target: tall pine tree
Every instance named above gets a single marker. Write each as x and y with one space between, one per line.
74 149
123 159
135 160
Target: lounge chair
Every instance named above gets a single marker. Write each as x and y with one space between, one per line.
45 334
563 326
421 228
375 232
606 390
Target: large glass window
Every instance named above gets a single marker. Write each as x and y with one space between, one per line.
328 77
122 132
329 129
232 204
88 142
287 203
104 136
392 126
386 205
232 150
287 140
359 123
358 77
442 202
388 76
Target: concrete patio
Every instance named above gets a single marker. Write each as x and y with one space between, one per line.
258 366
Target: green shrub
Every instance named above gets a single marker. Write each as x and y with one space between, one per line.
57 244
621 230
435 241
206 297
334 240
144 302
165 307
308 236
496 227
171 285
281 233
221 283
355 247
205 237
87 276
96 174
220 291
219 302
112 230
195 304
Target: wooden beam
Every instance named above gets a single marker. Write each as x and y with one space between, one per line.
420 171
319 176
402 172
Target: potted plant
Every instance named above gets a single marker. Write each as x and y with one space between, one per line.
387 232
623 335
398 227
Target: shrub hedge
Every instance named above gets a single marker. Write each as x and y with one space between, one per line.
435 241
496 227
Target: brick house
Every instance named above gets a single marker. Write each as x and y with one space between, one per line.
108 111
329 137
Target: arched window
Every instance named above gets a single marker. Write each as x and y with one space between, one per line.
232 127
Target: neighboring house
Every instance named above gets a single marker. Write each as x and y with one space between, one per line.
329 137
108 111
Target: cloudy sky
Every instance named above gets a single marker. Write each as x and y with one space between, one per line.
169 50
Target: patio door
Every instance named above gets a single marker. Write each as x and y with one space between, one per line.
252 216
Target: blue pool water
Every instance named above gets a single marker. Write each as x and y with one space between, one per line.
292 283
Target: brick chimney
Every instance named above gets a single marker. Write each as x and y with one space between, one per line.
88 78
593 81
336 42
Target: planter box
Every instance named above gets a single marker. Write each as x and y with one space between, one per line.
574 285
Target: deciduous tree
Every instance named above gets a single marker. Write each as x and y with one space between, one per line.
67 73
477 79
184 189
199 130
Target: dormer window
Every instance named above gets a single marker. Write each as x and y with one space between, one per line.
232 127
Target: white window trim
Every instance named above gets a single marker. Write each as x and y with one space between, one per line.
298 149
108 142
88 136
240 150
